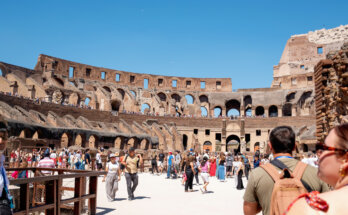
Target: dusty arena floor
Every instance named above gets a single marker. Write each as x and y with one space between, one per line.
156 195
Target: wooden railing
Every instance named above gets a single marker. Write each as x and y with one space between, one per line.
52 189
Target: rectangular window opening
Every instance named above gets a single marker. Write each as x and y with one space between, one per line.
146 83
258 132
160 82
202 84
293 81
131 79
320 50
218 136
174 83
207 132
188 83
195 131
88 72
102 75
218 85
118 77
309 78
71 71
301 66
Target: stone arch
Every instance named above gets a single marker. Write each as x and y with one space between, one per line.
26 133
133 93
118 143
115 105
189 99
306 95
131 143
145 108
59 81
248 111
207 145
259 111
79 140
121 91
203 98
247 100
232 143
273 111
107 88
204 111
64 141
162 96
74 99
37 135
144 144
3 71
232 104
92 142
217 111
287 109
256 146
184 141
176 97
290 96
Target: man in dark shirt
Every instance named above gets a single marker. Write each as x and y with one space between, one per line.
161 157
87 160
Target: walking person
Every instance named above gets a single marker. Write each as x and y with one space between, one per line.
212 167
204 168
229 165
177 163
154 163
196 165
189 172
131 163
170 165
221 167
161 157
112 178
240 173
247 167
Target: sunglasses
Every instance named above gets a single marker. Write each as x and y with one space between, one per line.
320 148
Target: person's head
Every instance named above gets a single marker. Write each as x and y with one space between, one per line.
131 152
205 159
333 164
112 158
241 159
24 164
256 158
229 154
191 158
170 153
282 140
46 154
3 135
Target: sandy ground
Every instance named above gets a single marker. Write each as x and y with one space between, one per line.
156 195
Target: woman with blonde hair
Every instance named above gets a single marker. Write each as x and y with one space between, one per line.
333 169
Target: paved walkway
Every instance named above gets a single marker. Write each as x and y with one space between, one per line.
156 195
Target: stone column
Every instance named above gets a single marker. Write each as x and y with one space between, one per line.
293 111
266 112
280 111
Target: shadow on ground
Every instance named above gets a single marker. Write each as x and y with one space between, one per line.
142 197
105 210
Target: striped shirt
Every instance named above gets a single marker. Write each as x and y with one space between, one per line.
46 163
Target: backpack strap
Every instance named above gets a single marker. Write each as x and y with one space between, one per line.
299 170
272 171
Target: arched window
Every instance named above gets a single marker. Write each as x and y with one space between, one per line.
233 108
145 108
87 100
203 98
247 100
162 97
260 111
176 97
115 105
248 112
217 111
133 93
1 72
107 89
287 109
204 112
290 97
273 111
189 99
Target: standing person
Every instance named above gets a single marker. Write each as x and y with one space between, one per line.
229 165
131 163
256 162
87 160
247 167
170 164
177 163
99 161
204 168
240 173
196 165
154 163
212 166
161 157
122 156
112 178
46 162
258 193
221 167
5 197
189 172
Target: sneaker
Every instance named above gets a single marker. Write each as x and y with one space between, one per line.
130 199
201 190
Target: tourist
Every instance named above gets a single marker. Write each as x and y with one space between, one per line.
131 162
12 159
247 167
161 157
170 165
154 163
21 174
333 169
46 162
259 189
99 161
6 203
177 163
189 172
112 178
212 170
229 164
221 167
204 169
122 156
239 173
196 166
87 160
256 161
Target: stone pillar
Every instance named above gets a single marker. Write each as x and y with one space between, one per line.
253 111
293 111
266 112
242 112
280 111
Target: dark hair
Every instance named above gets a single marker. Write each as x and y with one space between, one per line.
282 139
3 125
342 133
131 149
205 159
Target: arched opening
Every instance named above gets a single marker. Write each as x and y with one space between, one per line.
78 140
64 141
256 146
290 97
145 108
247 100
121 91
133 93
232 144
115 105
92 142
203 98
117 143
59 81
233 108
273 111
287 109
176 97
184 141
1 74
304 97
260 111
217 111
87 100
207 146
204 112
304 148
189 99
107 89
162 97
248 112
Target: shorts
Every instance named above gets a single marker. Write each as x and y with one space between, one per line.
205 177
228 168
160 164
99 166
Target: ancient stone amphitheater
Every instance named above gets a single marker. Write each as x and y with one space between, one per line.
63 103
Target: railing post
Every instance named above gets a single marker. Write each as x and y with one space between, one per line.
50 189
78 189
24 194
59 191
93 182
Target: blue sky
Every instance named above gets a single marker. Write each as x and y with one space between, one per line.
241 40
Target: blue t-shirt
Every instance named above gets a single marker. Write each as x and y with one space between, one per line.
256 163
170 159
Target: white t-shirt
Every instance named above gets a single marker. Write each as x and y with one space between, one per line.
98 158
112 168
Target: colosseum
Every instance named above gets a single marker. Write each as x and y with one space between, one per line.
63 103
